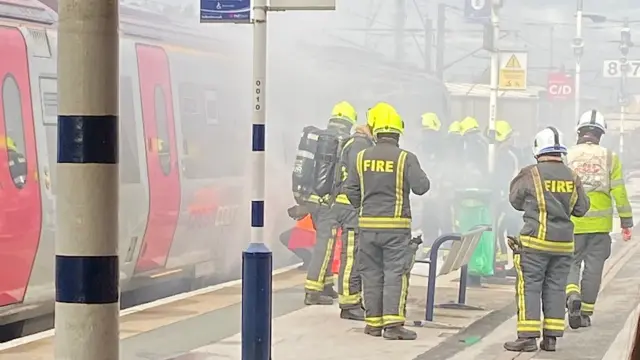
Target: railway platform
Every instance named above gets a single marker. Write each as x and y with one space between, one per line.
205 324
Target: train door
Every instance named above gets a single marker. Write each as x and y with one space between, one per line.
162 160
20 213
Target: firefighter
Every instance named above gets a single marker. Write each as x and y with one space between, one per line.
601 173
506 169
453 142
506 155
17 163
474 153
454 128
349 283
431 138
379 184
432 222
319 284
548 193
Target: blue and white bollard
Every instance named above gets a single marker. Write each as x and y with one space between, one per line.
256 302
257 265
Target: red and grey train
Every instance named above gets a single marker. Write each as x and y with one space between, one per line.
182 158
184 146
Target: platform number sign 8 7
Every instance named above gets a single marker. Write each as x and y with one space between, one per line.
612 69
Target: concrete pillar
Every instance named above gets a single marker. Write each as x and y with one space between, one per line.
87 276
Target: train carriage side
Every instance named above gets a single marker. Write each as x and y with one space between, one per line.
212 156
20 214
158 120
134 206
42 65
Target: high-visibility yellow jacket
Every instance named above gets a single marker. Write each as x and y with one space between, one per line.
601 172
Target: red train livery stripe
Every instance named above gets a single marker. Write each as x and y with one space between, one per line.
162 158
20 209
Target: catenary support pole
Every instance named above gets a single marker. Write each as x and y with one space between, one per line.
86 275
257 259
625 44
440 40
399 21
493 113
493 96
578 58
623 107
623 110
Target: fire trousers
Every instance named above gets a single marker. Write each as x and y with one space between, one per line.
319 274
385 260
349 283
541 276
592 250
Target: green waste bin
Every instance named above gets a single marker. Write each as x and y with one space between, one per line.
472 207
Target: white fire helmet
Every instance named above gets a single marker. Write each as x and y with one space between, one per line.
592 119
549 140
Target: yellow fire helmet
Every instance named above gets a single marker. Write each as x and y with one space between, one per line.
386 119
345 111
503 131
430 121
377 108
469 125
7 143
454 128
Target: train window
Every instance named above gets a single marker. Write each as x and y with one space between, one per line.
14 130
206 135
162 126
129 160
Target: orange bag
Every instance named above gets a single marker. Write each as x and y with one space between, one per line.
304 236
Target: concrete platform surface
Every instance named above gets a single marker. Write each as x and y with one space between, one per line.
206 325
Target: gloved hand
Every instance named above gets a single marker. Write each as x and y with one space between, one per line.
626 234
514 243
297 212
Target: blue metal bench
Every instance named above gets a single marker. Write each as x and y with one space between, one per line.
458 257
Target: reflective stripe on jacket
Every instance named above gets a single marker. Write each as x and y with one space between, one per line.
601 172
350 150
379 182
549 193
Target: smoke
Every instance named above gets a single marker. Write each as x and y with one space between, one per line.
371 50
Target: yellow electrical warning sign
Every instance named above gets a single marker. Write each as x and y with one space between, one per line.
513 63
513 71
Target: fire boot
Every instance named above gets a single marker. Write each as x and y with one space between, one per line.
354 313
521 345
548 343
373 331
573 309
398 332
585 321
317 298
330 292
